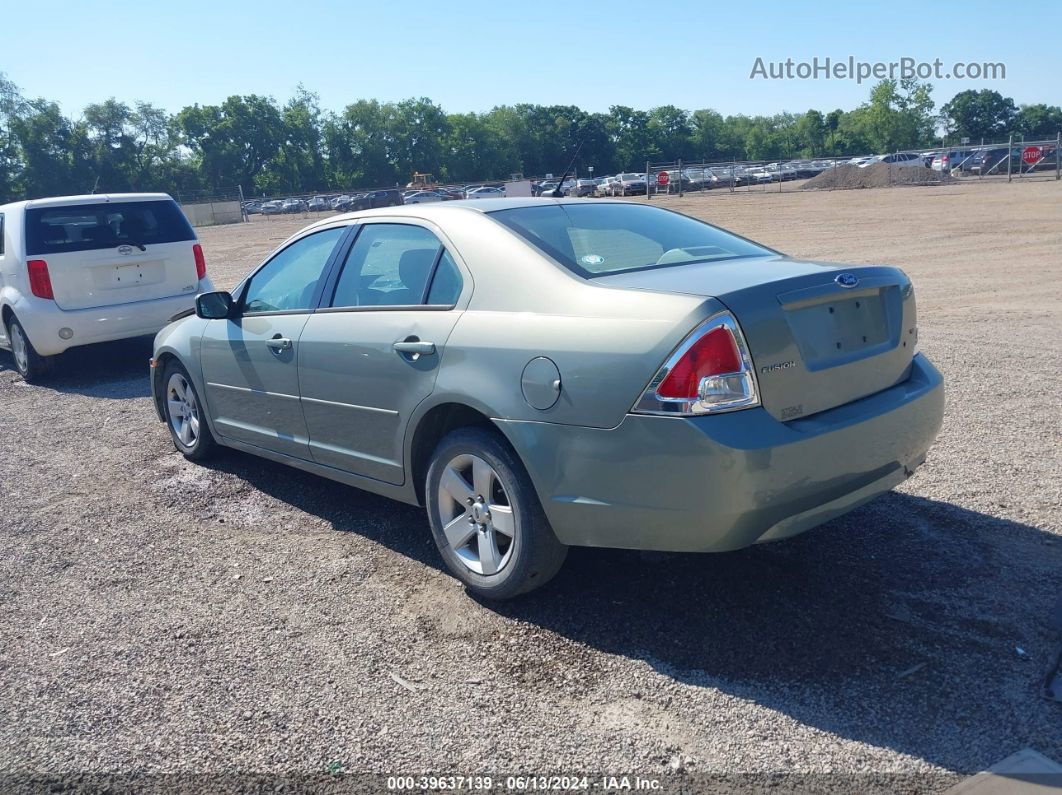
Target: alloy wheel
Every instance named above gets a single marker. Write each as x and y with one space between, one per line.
19 348
182 409
477 515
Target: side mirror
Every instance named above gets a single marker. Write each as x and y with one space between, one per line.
216 305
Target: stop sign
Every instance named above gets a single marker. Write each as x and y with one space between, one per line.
1032 154
662 178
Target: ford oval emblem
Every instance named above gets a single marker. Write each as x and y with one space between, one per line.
847 280
125 250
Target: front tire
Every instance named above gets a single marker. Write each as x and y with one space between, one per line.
486 518
30 364
185 415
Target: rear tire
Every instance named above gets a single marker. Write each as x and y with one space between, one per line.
486 518
30 364
186 415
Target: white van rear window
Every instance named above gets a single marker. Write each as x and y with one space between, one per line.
86 227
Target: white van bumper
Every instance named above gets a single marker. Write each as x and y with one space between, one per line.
52 330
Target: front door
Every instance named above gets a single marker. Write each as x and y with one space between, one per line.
250 361
373 354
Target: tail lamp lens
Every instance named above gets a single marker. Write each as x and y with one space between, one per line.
710 371
200 261
713 354
40 281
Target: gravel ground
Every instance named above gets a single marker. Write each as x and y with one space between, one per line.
159 616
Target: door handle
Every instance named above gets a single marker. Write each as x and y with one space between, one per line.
278 344
415 347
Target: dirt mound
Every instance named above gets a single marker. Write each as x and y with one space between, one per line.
879 175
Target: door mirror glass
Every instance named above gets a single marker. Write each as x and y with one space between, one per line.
213 306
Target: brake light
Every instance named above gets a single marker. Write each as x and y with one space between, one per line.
200 261
713 354
710 371
39 280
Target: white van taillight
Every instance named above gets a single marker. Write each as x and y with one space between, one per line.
40 281
200 261
710 371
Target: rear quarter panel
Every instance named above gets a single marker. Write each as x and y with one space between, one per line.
607 342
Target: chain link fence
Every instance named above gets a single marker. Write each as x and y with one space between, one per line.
1004 161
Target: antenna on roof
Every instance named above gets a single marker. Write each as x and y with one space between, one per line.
558 192
96 186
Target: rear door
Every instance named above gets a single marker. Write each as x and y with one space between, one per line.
250 361
103 253
370 357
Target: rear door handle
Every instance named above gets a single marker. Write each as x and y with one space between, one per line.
279 344
416 347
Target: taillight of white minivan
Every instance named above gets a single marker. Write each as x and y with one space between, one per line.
39 280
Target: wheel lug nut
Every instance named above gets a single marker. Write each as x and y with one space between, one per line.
470 501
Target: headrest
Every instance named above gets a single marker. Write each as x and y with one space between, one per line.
415 265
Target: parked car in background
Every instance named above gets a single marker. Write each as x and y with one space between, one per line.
377 198
950 160
318 204
627 185
993 160
274 207
486 193
585 187
451 356
293 206
898 159
422 196
252 207
76 270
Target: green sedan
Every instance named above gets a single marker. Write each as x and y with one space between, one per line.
542 373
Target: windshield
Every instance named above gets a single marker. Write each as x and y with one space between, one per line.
629 177
601 239
85 227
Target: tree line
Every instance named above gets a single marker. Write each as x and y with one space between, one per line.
270 148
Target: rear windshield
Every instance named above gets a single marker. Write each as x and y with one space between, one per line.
598 239
86 227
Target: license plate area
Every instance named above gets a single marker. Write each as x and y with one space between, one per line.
841 329
135 274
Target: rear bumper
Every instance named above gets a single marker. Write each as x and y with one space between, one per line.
43 320
709 484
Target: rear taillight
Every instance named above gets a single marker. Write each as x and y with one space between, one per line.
40 281
710 371
200 262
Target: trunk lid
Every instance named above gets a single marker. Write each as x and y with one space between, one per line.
88 279
815 341
103 251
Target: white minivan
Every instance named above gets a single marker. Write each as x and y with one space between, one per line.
75 270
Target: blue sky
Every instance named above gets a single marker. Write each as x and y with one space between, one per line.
469 55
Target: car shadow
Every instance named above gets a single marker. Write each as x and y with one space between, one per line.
897 625
116 370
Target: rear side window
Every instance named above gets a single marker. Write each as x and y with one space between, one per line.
393 265
87 227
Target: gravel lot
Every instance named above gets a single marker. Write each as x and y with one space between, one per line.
158 616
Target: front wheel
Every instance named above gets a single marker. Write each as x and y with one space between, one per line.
185 415
30 364
486 518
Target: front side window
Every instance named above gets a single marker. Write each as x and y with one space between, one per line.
601 239
393 265
288 282
99 225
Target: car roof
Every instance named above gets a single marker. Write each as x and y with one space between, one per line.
89 198
443 210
